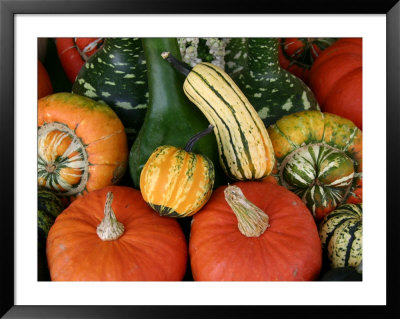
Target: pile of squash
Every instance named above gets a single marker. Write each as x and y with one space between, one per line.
150 169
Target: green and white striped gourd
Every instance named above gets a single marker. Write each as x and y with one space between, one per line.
341 236
117 75
253 64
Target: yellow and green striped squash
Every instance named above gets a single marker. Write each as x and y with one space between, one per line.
341 236
175 182
319 157
245 149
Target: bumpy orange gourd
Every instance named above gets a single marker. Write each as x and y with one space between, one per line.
82 145
113 235
271 236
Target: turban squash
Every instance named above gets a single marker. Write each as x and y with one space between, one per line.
82 145
113 235
254 231
319 157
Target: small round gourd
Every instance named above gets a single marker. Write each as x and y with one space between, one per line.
319 157
341 236
176 182
82 145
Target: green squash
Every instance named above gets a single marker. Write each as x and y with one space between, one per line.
170 119
342 274
49 207
116 75
274 92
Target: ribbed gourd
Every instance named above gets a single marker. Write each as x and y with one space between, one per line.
245 149
274 92
82 145
319 157
341 236
177 182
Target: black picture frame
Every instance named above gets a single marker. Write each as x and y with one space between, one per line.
8 10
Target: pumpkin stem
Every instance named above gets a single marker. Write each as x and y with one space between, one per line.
109 228
181 67
252 221
195 138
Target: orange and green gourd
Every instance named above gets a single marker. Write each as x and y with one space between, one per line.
319 157
176 182
82 145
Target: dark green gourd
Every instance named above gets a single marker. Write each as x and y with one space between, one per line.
341 274
49 207
171 119
274 92
116 75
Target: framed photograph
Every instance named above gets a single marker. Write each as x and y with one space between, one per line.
39 43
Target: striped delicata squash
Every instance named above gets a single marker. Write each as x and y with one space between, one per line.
245 149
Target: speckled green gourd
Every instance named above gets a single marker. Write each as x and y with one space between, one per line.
117 75
341 236
49 207
274 92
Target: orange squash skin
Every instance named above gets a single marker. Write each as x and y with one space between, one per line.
336 79
100 132
289 249
44 83
151 248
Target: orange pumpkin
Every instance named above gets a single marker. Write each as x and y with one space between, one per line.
44 84
82 145
254 231
113 235
336 79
